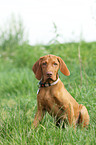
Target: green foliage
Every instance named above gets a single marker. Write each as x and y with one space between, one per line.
18 87
12 34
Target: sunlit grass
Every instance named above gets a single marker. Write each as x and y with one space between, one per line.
18 87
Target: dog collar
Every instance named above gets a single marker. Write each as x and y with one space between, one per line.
47 84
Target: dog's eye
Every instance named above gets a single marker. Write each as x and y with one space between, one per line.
55 63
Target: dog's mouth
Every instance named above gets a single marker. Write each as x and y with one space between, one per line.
49 80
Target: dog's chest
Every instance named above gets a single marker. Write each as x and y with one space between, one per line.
48 97
45 94
50 101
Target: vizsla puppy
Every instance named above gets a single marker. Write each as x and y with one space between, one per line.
52 95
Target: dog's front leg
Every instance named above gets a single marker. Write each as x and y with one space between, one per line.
38 117
39 114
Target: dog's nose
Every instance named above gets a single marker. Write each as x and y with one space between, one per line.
49 74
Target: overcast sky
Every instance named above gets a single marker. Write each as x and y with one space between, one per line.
72 17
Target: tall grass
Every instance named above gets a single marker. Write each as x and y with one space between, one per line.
12 33
18 87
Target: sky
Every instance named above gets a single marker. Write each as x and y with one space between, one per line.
75 19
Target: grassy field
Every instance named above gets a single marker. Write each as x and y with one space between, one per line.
18 87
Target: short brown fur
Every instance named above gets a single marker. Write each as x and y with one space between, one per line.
55 99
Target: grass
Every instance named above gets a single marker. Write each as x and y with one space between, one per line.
18 87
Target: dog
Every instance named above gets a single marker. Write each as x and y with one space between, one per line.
52 95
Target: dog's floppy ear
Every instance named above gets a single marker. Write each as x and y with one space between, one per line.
63 67
37 70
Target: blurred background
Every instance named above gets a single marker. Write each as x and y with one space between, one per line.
74 19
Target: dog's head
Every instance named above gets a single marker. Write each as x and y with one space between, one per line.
47 68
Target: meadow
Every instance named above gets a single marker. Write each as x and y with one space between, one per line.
18 89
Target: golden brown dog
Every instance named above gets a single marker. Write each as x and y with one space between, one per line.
52 95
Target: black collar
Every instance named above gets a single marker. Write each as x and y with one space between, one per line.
47 84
